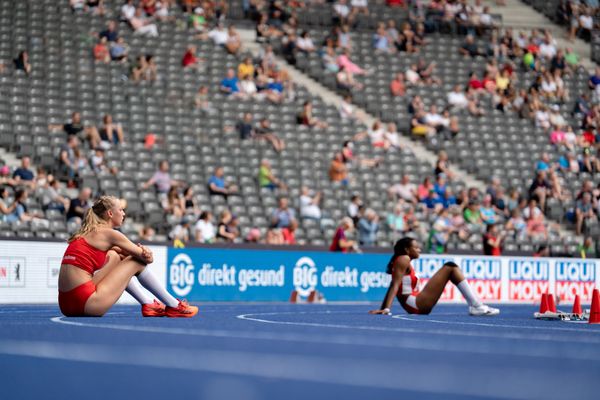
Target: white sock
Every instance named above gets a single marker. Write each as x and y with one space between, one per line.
150 282
468 293
137 292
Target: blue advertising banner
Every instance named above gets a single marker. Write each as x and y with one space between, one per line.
201 274
213 274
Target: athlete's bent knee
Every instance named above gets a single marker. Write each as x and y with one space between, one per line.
451 264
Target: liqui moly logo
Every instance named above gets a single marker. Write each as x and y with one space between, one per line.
426 267
484 276
575 277
528 279
481 268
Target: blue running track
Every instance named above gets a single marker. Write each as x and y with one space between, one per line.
285 352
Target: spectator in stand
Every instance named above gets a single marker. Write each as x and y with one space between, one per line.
540 188
230 85
24 175
127 10
110 133
472 217
457 98
395 221
225 231
245 127
304 43
142 25
6 209
306 117
340 242
404 190
218 186
309 204
22 63
425 72
101 51
488 211
536 227
180 234
469 48
161 179
234 42
202 102
492 241
147 234
368 226
341 12
354 207
20 212
190 60
119 50
289 233
347 109
79 205
197 21
246 68
76 128
266 178
51 197
398 86
442 166
67 167
219 35
381 40
264 132
338 172
517 225
345 80
584 212
110 33
173 203
189 201
283 216
586 249
204 230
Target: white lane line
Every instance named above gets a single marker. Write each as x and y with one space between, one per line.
445 332
541 328
363 372
409 342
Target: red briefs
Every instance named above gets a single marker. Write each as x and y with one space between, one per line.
72 303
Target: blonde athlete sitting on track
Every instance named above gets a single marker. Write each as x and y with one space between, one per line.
405 284
100 263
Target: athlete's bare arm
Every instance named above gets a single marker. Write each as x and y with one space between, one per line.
401 264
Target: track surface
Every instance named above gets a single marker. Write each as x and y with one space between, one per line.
281 351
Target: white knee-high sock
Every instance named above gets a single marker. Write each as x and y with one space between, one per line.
468 293
137 292
149 281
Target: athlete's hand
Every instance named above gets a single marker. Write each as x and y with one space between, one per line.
381 312
147 255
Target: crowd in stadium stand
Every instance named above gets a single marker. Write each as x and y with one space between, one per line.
494 214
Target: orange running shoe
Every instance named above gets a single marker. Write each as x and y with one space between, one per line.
183 310
154 309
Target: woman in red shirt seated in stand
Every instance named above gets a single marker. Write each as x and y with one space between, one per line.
101 263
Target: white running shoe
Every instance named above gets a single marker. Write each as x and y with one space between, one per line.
483 310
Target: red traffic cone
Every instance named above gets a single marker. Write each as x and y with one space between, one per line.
577 306
551 303
294 296
544 303
595 311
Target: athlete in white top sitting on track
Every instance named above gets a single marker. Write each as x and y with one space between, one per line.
405 284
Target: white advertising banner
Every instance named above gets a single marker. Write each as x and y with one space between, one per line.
29 271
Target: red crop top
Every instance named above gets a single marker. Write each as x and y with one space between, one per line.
82 255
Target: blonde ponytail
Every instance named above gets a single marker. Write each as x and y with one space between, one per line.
94 216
